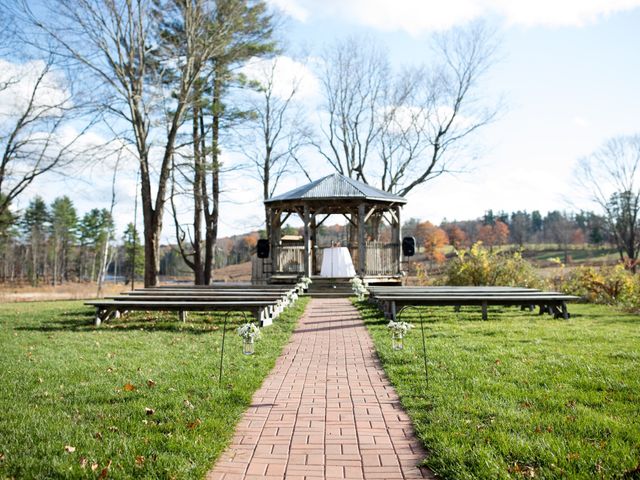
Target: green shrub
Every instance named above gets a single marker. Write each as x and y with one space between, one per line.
607 285
480 266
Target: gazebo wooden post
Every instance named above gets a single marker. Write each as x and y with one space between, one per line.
362 250
275 237
397 238
306 218
312 244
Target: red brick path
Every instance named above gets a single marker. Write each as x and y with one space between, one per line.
326 411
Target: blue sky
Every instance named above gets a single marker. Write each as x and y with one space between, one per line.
569 72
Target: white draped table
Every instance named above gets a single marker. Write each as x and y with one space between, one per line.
336 262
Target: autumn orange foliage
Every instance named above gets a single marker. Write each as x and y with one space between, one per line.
457 237
492 235
434 239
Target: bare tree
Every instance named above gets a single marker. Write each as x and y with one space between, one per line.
107 255
400 129
118 46
34 129
278 131
611 177
355 78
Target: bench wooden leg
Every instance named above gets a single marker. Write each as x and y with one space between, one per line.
102 315
559 311
485 315
263 317
182 315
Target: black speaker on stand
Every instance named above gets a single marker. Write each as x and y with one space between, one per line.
408 246
263 248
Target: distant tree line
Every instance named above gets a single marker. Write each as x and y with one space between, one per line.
53 244
516 228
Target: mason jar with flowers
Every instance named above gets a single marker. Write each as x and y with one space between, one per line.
249 332
398 331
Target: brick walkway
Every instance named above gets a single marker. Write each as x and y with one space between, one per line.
326 411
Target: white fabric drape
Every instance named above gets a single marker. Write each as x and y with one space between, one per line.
336 262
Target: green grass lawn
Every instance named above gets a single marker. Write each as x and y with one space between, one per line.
521 396
138 397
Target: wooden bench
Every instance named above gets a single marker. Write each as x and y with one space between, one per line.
265 303
259 309
549 302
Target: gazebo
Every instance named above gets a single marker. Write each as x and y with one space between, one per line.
366 209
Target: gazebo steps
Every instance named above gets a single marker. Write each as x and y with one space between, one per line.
328 287
284 278
330 294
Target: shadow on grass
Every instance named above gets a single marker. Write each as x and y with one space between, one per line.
84 322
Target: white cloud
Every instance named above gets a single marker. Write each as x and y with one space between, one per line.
292 8
19 80
560 13
581 121
287 74
418 16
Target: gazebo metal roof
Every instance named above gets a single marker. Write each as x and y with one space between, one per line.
335 187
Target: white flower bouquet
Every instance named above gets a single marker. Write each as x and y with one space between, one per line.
249 331
359 288
399 328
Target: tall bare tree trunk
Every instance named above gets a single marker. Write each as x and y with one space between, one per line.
212 210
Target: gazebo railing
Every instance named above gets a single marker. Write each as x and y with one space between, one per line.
382 258
291 259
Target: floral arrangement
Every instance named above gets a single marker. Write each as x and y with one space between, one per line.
249 332
359 288
306 281
399 328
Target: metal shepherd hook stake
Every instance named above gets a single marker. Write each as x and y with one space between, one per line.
224 331
424 343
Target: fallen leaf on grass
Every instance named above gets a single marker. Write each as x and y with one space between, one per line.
188 404
69 449
194 424
526 471
149 411
83 462
114 429
573 456
40 380
105 471
98 436
151 383
140 460
128 387
1 457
